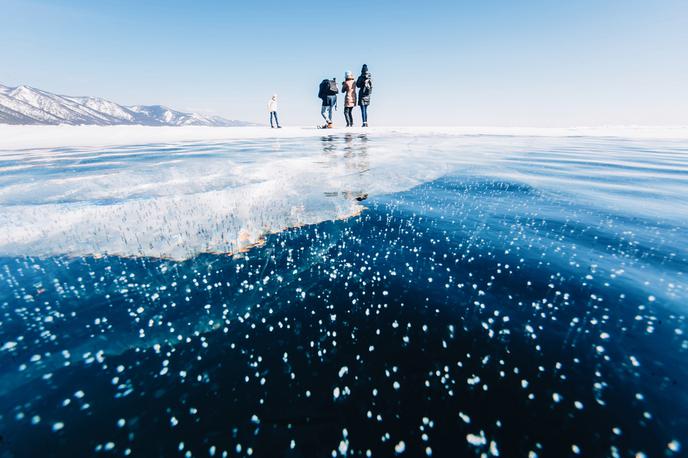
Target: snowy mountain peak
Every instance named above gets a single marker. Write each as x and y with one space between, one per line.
26 105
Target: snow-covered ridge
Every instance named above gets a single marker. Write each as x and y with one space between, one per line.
27 105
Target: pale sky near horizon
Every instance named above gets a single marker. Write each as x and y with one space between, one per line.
500 63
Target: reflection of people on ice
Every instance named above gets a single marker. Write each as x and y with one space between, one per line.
328 94
352 156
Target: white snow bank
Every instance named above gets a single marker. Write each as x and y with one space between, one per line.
26 137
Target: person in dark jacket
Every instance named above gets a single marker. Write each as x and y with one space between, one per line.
328 94
364 83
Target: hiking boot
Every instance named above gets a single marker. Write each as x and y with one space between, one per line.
330 125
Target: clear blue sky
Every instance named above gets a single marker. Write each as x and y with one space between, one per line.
530 63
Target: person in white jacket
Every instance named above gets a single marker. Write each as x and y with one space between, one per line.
272 108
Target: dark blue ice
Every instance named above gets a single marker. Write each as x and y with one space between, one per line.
506 296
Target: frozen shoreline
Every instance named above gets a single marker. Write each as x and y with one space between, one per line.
30 137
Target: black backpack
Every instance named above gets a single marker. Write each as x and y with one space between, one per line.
332 87
367 87
323 89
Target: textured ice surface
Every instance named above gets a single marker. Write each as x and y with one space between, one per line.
179 200
500 295
176 201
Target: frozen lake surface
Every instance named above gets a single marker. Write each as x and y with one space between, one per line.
411 292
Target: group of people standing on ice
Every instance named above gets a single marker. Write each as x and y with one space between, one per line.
328 91
328 94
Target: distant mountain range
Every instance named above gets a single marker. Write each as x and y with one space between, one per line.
27 105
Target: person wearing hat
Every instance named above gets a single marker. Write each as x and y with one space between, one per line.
349 88
365 88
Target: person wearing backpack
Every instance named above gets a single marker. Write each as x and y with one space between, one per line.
349 88
272 109
328 94
365 88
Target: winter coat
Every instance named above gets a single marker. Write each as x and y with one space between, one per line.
272 105
349 88
360 84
